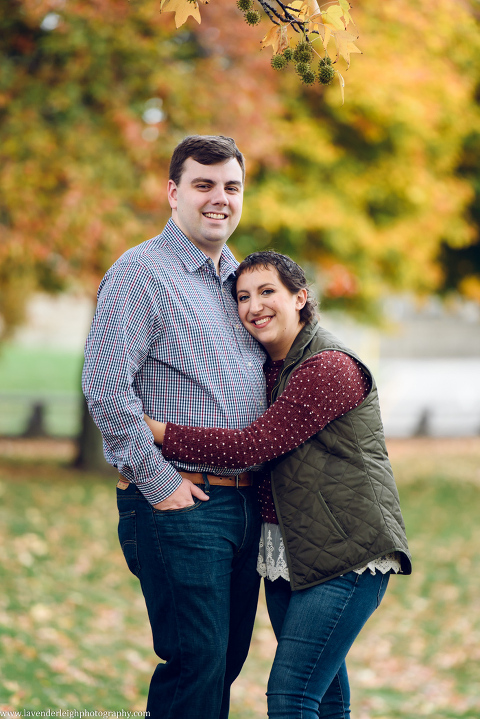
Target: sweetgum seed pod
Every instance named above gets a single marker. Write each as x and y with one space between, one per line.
245 5
326 74
302 67
303 52
308 78
278 62
252 17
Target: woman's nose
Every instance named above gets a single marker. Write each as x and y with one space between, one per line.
255 305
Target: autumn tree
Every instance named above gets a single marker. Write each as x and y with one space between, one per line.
372 195
381 193
375 195
93 98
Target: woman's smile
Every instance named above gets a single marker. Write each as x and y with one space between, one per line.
261 321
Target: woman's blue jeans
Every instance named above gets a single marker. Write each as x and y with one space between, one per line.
197 570
315 629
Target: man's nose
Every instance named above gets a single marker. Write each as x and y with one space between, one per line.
219 196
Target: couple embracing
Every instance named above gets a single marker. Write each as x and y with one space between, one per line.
249 443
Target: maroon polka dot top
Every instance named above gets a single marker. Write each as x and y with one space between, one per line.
323 388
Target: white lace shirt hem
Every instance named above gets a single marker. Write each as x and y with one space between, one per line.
272 564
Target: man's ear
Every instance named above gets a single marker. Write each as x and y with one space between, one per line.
172 194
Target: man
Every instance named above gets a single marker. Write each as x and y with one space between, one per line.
166 341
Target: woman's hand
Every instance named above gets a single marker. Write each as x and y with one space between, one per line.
158 428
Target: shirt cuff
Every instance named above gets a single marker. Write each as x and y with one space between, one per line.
158 488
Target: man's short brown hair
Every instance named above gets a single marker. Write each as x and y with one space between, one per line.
205 149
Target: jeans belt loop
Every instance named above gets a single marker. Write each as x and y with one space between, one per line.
207 483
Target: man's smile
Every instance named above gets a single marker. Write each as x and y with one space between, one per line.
215 215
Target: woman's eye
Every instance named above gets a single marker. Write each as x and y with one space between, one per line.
267 292
241 298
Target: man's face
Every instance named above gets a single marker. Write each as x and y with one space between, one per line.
207 203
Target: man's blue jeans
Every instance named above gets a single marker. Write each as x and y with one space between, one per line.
315 629
197 570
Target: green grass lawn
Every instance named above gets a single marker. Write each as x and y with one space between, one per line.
29 375
73 627
24 369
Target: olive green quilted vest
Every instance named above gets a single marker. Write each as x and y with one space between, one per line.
335 495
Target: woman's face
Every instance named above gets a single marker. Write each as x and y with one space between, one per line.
268 310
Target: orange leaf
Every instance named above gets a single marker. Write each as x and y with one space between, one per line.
182 9
277 37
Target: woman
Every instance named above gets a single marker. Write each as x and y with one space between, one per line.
333 530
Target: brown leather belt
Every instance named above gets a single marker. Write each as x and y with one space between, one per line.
240 480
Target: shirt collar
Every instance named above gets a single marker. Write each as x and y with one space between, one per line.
191 256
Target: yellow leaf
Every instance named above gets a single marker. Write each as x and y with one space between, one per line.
345 5
182 9
299 9
306 8
277 37
345 45
317 25
333 16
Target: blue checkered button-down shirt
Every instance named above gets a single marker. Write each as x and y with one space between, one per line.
166 341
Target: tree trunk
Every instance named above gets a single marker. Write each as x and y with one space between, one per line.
90 449
36 421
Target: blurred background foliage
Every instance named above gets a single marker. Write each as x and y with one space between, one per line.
377 195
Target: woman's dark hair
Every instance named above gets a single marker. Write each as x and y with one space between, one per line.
291 275
205 149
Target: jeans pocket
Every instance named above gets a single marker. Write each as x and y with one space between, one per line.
182 510
127 535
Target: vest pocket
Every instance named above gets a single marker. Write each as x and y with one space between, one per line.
333 520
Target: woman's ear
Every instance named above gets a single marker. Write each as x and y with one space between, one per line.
302 297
